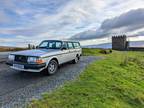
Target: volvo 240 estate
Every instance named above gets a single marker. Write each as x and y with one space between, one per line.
46 57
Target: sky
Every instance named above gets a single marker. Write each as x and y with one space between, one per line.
90 21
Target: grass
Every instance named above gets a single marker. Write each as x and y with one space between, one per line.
114 82
91 52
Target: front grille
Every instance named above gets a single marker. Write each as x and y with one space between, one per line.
20 58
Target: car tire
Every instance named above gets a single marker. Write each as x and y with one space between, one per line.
76 60
51 68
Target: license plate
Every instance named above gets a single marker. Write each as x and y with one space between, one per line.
18 66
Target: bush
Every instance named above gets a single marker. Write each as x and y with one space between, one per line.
105 51
133 60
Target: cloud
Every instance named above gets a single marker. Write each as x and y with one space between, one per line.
128 23
4 18
61 19
75 17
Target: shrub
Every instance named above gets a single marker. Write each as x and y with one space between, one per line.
105 51
133 60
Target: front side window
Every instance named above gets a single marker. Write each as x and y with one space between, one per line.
51 44
70 45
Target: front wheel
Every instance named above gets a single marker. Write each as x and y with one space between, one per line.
52 67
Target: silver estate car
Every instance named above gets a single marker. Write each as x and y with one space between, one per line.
47 57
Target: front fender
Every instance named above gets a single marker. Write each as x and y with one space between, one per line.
48 59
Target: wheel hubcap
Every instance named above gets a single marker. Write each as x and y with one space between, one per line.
52 67
76 59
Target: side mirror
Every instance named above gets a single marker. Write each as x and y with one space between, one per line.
37 47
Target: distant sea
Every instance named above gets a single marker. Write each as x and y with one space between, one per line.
109 45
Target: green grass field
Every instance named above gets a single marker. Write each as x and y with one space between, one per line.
114 82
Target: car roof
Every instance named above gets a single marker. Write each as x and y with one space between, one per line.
69 41
62 40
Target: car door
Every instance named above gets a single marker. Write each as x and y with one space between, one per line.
64 53
71 51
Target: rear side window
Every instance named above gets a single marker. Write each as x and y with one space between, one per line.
76 45
58 44
70 45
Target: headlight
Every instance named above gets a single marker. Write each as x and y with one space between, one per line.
11 57
32 59
35 60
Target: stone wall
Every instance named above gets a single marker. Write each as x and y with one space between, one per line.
136 48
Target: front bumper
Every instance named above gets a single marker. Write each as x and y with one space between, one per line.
28 67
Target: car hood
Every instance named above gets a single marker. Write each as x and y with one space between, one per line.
36 52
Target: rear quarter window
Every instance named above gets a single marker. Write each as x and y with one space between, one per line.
76 45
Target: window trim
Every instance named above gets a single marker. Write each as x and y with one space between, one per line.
72 45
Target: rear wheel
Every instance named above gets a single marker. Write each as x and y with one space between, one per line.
76 60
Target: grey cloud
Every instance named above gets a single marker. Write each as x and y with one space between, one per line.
125 23
131 18
24 32
4 18
52 29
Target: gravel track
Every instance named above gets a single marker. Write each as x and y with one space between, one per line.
18 88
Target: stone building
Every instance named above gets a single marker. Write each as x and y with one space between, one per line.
120 43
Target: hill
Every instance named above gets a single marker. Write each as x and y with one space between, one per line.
7 48
109 45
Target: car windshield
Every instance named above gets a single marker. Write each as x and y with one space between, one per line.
51 44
